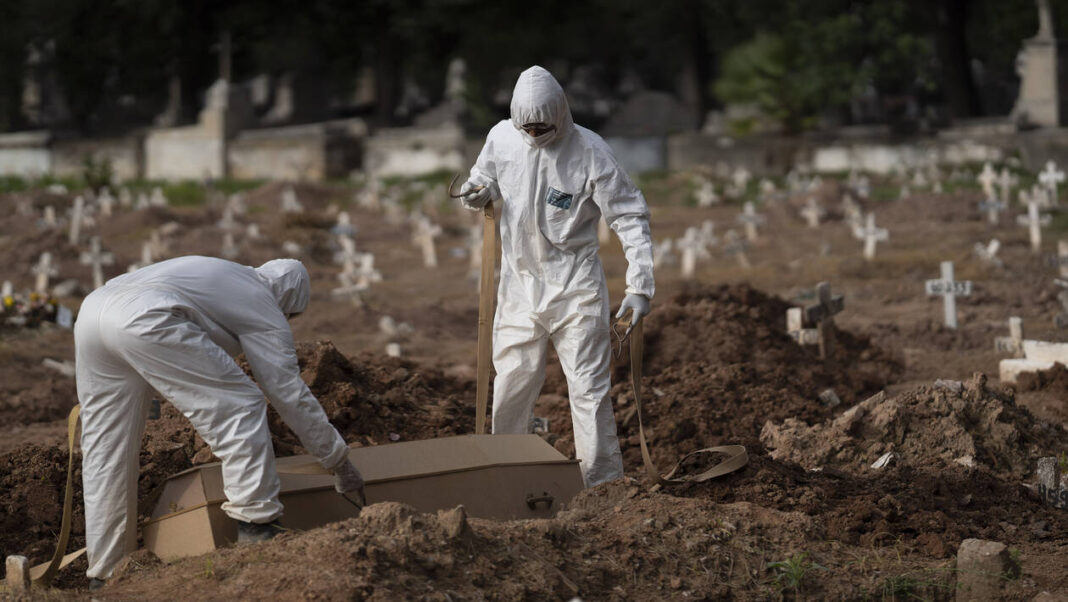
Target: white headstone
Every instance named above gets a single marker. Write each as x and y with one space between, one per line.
236 202
690 246
50 216
1034 222
1006 181
227 223
44 270
871 235
812 212
751 219
1050 177
106 202
706 194
343 227
423 236
125 198
986 179
142 201
97 259
949 290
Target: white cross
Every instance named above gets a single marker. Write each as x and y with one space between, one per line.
989 252
949 290
993 208
1006 181
106 202
708 235
919 180
986 179
236 202
142 201
736 246
76 215
871 236
905 192
750 219
229 248
50 216
424 235
691 246
343 227
1014 342
1050 178
44 270
852 212
97 259
125 198
812 212
368 197
158 198
1034 223
252 232
706 195
662 253
227 222
290 204
741 177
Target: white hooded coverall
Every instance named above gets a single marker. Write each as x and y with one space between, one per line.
174 326
554 190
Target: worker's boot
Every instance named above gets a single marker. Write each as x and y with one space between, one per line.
252 532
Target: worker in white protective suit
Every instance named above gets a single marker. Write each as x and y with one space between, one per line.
175 326
554 180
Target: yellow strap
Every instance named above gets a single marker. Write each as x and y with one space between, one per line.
43 574
485 317
736 454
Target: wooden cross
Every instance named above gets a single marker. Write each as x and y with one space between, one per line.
1034 222
97 259
822 315
44 270
871 236
751 220
76 214
1050 178
949 290
993 208
986 179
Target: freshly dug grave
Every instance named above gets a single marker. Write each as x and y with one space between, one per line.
931 426
718 365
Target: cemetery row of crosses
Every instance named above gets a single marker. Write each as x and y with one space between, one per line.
889 347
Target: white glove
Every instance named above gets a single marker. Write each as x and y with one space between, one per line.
638 303
480 195
347 478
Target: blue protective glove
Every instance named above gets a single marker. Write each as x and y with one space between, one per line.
638 303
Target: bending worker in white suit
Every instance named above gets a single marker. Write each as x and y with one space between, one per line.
175 326
556 180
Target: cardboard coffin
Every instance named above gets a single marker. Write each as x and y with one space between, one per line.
493 476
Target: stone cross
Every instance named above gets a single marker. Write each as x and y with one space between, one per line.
158 198
424 235
794 328
949 290
106 202
919 180
986 179
853 215
347 255
97 259
708 235
767 189
125 198
706 195
1006 181
50 216
993 208
736 246
252 231
989 252
76 215
227 223
690 246
751 219
871 236
662 253
822 315
1050 178
812 212
1014 342
343 227
290 204
236 202
229 248
1034 223
44 270
741 177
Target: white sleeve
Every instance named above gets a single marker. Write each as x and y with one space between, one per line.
484 171
624 209
273 358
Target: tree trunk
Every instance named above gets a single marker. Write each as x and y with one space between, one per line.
955 59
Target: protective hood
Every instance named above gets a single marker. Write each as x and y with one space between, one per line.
538 98
290 283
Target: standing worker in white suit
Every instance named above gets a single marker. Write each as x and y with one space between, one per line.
554 181
175 326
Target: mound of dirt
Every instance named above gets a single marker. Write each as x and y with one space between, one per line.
718 365
1054 380
932 426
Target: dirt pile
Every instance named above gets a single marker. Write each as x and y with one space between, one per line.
934 426
1054 380
719 364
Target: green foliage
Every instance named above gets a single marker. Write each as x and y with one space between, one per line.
1063 461
97 174
9 183
790 574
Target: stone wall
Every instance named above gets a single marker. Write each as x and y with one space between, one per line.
184 153
639 154
125 154
415 151
25 154
761 156
317 151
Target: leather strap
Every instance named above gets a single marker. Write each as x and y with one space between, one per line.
42 574
485 316
736 454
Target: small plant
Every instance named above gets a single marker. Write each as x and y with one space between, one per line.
790 574
209 568
96 174
1016 569
1062 460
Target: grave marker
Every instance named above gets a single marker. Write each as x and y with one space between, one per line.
44 270
812 212
986 179
1014 342
662 254
736 246
227 223
158 199
1050 177
1062 257
706 195
1034 222
822 315
290 204
125 198
50 216
252 231
1006 180
424 235
343 227
6 290
988 253
751 219
993 208
690 246
18 574
142 201
106 202
949 290
803 336
871 235
97 259
229 248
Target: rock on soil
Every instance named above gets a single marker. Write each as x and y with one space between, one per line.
929 426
